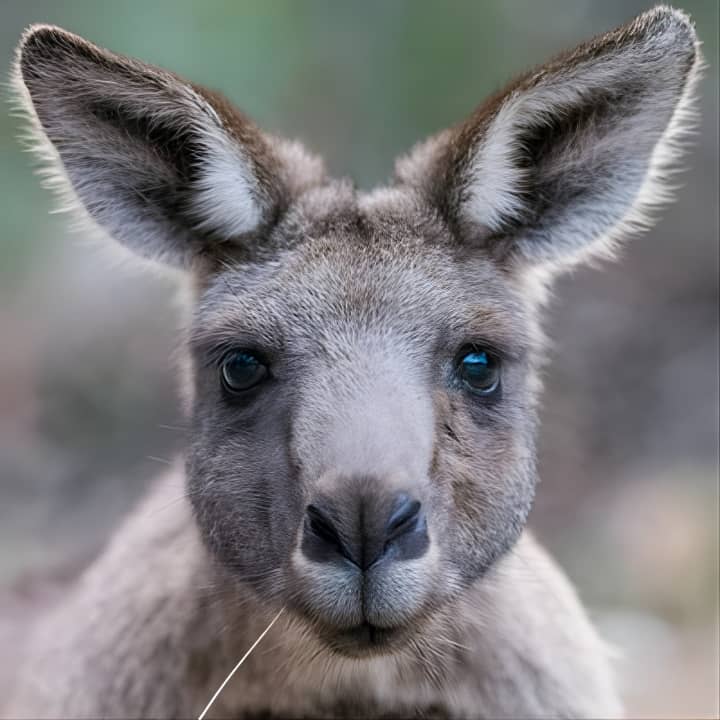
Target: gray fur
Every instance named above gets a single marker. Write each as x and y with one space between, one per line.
360 303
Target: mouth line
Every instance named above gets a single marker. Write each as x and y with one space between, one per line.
372 633
363 639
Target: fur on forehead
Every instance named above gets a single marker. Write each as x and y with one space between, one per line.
385 213
391 219
379 261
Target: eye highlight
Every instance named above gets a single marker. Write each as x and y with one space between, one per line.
479 369
241 370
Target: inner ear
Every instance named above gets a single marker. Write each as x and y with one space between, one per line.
553 152
175 147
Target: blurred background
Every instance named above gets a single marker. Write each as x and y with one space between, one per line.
629 445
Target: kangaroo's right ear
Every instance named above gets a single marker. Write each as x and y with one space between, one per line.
572 156
169 169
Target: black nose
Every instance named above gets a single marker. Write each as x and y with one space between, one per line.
364 529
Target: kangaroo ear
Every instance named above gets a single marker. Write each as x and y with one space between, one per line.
561 163
169 169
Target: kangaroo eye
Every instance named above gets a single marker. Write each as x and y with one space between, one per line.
241 370
480 371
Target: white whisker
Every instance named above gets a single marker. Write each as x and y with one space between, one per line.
241 661
164 461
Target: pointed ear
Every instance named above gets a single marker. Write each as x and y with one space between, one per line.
572 155
169 169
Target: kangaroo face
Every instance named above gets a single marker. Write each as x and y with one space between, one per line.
364 365
362 430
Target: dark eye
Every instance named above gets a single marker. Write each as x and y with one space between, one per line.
241 370
480 371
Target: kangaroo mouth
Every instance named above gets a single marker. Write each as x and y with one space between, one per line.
365 640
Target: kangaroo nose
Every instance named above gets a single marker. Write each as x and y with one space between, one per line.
365 531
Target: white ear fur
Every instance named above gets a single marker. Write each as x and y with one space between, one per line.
227 197
639 185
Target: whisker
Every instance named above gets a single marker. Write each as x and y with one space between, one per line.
170 503
164 461
242 660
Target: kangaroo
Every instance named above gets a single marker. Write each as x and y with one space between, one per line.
362 384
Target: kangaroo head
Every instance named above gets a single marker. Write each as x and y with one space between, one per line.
364 365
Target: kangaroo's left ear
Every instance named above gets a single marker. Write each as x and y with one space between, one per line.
559 164
169 169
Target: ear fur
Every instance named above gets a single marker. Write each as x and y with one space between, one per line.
169 169
573 155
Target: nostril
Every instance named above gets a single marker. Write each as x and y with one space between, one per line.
405 518
321 525
322 540
364 529
406 535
